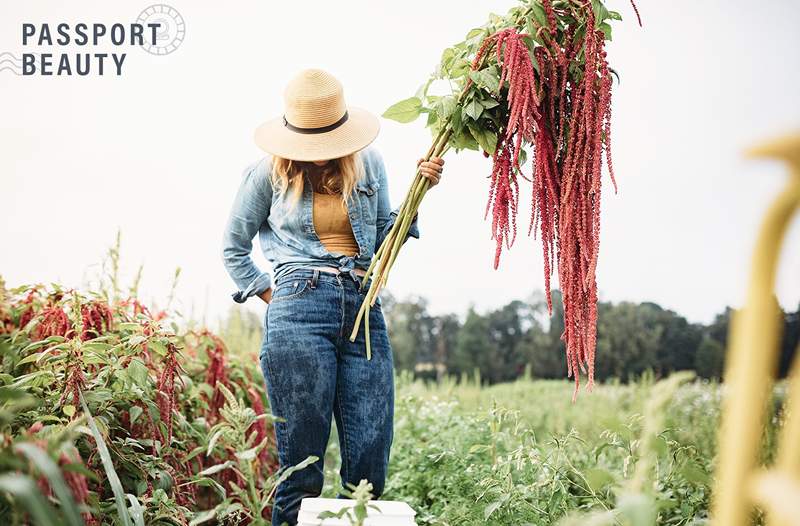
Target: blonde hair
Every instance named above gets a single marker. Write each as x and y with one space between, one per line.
338 176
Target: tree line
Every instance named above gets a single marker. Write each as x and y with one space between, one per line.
632 338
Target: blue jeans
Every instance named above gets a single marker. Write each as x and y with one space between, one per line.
313 371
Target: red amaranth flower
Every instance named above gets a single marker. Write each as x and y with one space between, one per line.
166 388
53 322
75 382
503 198
28 306
217 373
564 113
97 319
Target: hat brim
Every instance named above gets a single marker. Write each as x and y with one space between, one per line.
357 132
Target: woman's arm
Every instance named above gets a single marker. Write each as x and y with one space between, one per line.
249 211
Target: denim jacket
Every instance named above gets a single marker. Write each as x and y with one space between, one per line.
287 237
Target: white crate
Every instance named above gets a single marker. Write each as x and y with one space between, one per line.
392 513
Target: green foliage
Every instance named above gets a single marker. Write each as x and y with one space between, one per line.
522 453
110 414
357 513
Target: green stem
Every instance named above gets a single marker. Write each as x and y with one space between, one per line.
418 192
366 336
403 207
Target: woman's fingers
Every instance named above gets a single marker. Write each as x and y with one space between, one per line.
431 169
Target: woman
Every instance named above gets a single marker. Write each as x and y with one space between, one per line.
320 205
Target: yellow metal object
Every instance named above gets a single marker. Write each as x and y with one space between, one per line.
749 374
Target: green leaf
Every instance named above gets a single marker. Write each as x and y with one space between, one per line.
538 14
464 140
606 29
447 57
445 107
695 474
474 33
460 68
404 111
597 478
135 412
137 512
203 516
53 474
211 443
486 139
137 371
157 347
487 78
432 118
213 484
613 15
32 358
600 11
108 465
494 506
285 474
456 122
216 468
10 393
422 91
473 109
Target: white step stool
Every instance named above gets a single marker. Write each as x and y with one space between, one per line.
392 512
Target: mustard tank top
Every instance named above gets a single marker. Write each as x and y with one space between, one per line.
332 224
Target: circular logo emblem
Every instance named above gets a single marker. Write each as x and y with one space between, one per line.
170 32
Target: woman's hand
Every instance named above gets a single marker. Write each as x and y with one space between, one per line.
266 295
431 170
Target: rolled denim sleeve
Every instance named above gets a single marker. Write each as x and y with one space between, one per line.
387 218
249 212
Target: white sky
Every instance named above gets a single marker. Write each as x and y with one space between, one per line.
159 151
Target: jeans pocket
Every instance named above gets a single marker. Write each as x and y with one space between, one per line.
290 289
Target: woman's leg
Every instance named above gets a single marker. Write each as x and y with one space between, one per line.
364 403
298 359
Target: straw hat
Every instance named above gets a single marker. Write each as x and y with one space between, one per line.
316 124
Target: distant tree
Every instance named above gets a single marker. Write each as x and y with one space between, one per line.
445 336
506 335
678 342
709 358
473 345
545 348
628 338
631 338
409 327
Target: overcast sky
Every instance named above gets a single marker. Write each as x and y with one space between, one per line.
158 152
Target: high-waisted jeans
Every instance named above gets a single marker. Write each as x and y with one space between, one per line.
313 371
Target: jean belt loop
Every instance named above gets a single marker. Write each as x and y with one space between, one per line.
315 279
